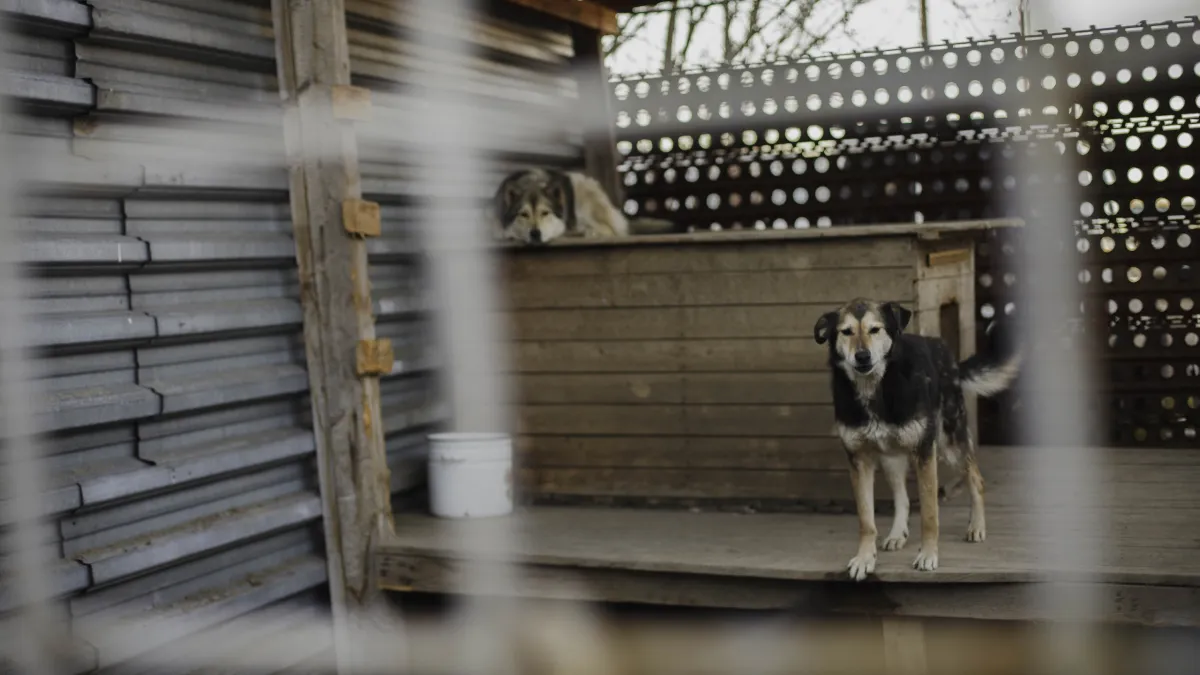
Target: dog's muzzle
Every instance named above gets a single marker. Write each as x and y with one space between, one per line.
862 361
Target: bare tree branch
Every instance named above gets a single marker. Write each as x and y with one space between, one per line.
629 26
755 29
796 26
749 30
823 33
727 45
669 47
695 17
752 30
789 30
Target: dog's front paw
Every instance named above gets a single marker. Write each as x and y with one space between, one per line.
976 533
895 542
860 566
927 560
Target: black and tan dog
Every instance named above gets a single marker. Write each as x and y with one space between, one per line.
898 397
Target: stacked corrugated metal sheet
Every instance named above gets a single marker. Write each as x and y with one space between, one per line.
155 214
168 314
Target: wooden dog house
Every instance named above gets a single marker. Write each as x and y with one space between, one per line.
682 369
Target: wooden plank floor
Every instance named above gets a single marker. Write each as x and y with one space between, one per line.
1145 511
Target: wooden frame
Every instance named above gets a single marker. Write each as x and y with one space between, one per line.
330 223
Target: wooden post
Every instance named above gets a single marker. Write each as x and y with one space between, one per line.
331 222
599 138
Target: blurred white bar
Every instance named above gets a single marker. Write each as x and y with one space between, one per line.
24 479
1058 377
550 639
451 171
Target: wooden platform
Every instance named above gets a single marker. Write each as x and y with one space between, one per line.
1148 571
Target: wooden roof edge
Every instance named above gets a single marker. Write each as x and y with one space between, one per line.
627 5
590 13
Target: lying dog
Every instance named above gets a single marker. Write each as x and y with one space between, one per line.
897 397
537 206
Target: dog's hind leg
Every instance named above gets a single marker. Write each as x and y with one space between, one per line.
977 527
927 486
895 468
862 478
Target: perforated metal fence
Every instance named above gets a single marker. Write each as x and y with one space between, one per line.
929 134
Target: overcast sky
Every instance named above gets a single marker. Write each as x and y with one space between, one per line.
877 24
895 23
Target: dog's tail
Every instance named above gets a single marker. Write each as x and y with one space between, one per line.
644 226
993 370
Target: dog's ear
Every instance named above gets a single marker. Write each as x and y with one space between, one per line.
823 327
562 196
557 194
895 317
508 204
507 195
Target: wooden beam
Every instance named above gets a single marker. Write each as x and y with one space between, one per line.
595 104
923 232
1118 603
585 13
626 5
314 73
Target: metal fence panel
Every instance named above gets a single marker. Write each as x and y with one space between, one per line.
929 134
155 221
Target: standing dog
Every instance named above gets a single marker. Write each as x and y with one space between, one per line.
897 397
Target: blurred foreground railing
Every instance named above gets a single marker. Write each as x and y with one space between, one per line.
559 639
181 544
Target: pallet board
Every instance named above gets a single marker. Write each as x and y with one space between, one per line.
646 370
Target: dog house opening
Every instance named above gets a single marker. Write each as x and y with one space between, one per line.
950 326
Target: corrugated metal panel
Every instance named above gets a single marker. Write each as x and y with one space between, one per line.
168 312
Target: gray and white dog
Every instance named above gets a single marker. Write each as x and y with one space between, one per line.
537 206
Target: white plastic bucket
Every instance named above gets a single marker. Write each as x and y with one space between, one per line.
470 475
